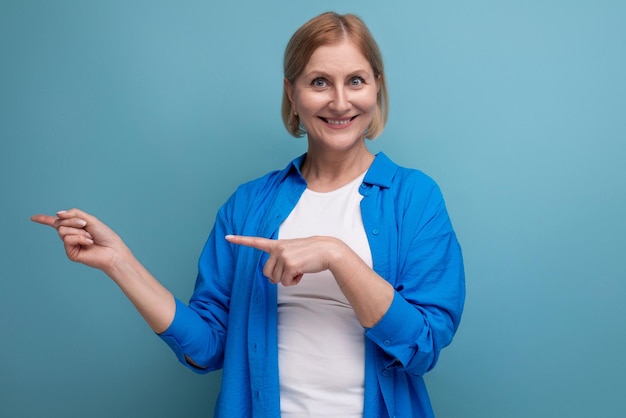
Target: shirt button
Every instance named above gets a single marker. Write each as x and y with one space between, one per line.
385 373
375 231
387 343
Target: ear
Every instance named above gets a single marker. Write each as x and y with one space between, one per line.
289 90
378 80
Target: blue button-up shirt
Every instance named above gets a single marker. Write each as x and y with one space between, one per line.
231 320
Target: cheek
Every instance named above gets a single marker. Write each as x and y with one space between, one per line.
307 104
372 96
366 101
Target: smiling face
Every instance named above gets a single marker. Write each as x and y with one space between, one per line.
335 96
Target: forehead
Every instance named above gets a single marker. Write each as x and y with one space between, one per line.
344 55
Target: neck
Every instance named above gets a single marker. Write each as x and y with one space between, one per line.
325 172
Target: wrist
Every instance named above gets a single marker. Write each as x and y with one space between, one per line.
336 251
121 262
343 262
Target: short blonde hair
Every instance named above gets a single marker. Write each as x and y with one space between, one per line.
327 29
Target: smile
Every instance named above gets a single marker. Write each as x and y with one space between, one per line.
338 122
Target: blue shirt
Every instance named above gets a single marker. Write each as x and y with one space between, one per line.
231 319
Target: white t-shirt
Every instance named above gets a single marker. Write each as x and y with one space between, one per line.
321 349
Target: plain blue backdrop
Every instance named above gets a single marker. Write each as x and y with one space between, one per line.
150 113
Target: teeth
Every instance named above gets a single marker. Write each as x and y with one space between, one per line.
338 122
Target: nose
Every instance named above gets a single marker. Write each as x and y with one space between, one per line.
340 100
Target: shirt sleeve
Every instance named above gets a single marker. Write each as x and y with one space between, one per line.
198 331
429 290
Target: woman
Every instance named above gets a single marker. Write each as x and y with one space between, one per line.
327 288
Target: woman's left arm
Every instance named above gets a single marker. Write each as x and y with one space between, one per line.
429 286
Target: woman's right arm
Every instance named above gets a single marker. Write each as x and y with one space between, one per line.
91 242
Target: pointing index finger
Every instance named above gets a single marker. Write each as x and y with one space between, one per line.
259 243
44 219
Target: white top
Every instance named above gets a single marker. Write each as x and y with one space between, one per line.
321 349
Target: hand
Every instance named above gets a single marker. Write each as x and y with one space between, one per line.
368 293
291 258
86 239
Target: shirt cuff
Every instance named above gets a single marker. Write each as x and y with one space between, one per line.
182 333
398 330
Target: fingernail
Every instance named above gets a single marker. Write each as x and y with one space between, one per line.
61 212
82 222
90 241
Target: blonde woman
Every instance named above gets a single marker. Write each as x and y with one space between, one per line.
327 288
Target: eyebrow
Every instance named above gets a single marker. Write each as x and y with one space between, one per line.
321 73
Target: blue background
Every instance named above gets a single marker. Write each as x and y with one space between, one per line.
150 113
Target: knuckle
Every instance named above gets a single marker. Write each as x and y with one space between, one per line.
280 247
291 266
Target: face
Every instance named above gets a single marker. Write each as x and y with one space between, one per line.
335 96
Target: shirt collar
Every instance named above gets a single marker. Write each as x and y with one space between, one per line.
380 173
297 163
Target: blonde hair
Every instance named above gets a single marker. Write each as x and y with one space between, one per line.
327 29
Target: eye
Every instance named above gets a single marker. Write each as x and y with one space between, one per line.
319 82
356 81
